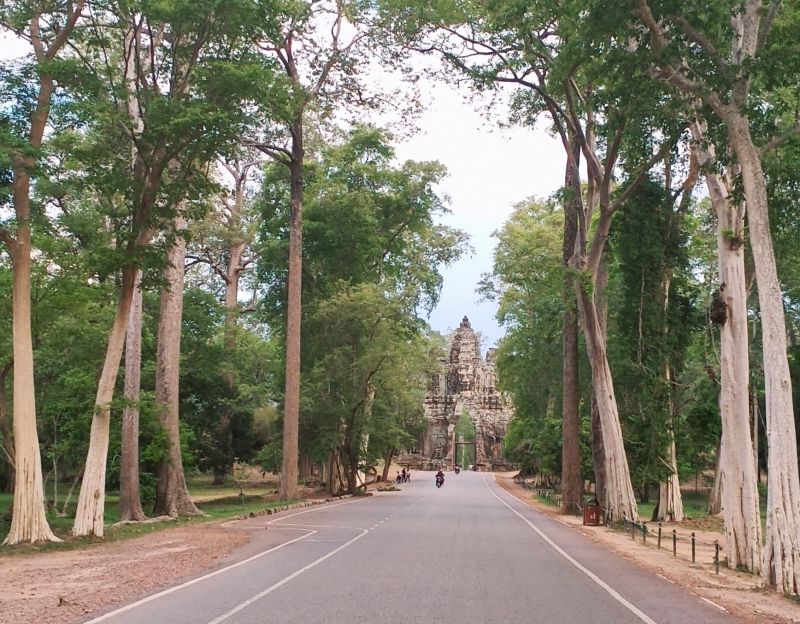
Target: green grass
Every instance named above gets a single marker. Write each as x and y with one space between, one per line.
695 505
217 502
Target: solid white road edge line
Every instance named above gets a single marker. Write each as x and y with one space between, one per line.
610 590
285 580
165 592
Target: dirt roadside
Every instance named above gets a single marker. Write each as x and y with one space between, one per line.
736 592
61 587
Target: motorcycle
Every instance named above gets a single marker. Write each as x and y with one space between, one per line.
457 469
439 481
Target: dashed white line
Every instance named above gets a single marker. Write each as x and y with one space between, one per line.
285 580
166 592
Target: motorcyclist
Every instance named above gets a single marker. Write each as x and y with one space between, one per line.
440 476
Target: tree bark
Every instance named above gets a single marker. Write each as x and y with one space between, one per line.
29 522
737 469
91 501
291 415
172 495
782 546
715 495
670 503
620 500
130 503
598 454
571 477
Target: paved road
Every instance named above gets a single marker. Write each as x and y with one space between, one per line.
468 553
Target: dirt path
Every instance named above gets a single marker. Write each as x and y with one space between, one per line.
735 591
61 586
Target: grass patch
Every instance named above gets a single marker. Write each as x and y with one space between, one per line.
221 502
547 500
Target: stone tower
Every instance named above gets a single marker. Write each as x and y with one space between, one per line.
466 383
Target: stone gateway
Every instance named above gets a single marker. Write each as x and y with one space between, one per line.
465 386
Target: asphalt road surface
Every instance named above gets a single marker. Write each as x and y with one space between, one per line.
468 553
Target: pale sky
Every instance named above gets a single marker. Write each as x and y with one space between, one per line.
490 170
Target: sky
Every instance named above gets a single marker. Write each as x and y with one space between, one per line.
490 170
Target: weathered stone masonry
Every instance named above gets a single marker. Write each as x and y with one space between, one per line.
466 383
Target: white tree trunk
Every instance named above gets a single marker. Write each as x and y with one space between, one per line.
91 501
715 495
28 521
782 547
670 502
737 469
130 503
620 500
172 495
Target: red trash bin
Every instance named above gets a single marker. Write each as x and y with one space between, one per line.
591 514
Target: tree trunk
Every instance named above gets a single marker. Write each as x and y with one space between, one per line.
670 503
387 464
598 454
782 546
130 503
715 495
620 499
28 521
291 410
91 501
737 471
172 495
233 272
571 477
5 430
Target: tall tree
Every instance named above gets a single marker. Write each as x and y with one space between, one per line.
180 102
172 495
318 46
571 477
223 242
715 56
367 221
736 479
535 50
130 501
48 34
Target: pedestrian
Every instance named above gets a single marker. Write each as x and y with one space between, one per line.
403 476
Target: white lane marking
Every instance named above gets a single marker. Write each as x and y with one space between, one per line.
285 580
233 565
297 573
165 592
610 590
712 603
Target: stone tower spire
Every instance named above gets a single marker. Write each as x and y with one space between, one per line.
466 384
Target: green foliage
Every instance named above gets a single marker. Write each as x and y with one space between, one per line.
365 220
654 317
528 283
370 367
